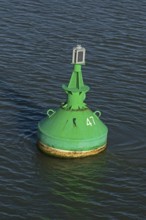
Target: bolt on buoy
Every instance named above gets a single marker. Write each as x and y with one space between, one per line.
73 130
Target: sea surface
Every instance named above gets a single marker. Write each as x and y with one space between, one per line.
36 41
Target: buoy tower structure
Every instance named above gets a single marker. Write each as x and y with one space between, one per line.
73 130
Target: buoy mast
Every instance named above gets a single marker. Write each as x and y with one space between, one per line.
76 90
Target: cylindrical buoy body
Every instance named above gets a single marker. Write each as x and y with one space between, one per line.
67 133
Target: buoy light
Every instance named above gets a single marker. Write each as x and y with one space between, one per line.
78 56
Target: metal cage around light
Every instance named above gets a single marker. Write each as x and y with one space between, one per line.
78 56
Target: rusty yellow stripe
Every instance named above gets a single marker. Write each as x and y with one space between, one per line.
68 154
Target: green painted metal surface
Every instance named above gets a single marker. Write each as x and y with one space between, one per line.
73 130
73 127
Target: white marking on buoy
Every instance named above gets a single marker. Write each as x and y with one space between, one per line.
90 121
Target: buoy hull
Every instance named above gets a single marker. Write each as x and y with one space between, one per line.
72 134
67 153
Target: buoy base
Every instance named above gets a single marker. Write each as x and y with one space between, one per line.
68 154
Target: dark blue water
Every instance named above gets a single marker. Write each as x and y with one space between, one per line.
36 40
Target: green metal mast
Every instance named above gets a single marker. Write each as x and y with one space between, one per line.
76 90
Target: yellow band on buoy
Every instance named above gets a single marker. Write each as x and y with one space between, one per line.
68 154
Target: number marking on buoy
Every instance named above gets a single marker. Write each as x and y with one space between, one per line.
90 121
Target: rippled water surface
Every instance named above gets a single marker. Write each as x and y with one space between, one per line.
36 40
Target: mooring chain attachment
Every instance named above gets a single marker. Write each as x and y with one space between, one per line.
99 113
50 113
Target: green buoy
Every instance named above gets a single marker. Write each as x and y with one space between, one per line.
73 130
